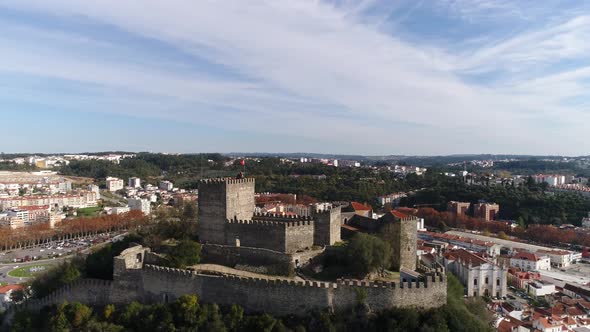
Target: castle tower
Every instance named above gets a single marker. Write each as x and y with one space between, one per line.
220 200
404 244
327 226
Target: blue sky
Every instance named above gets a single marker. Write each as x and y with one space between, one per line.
335 76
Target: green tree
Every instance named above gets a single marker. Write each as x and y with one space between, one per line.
184 253
368 254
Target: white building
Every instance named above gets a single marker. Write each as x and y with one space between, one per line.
142 205
134 182
540 288
530 262
19 213
95 189
558 258
114 184
5 295
166 185
586 221
479 276
117 210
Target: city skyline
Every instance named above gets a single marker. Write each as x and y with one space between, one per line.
345 77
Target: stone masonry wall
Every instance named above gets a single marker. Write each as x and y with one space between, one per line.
252 259
327 227
212 212
404 249
284 297
299 236
256 234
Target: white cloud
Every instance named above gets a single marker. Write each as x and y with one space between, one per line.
319 70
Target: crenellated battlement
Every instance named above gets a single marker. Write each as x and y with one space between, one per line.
428 281
226 180
273 222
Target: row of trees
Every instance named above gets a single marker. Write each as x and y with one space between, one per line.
546 234
69 228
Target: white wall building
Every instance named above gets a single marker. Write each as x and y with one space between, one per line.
540 288
134 182
530 262
479 276
5 295
558 258
166 185
139 204
114 184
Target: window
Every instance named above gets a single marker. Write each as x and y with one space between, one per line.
487 281
474 282
497 282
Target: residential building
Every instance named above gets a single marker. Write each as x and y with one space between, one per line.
577 291
486 211
78 199
95 189
479 276
520 279
547 324
166 185
558 258
19 213
5 295
139 204
114 184
540 288
391 199
458 208
530 262
134 182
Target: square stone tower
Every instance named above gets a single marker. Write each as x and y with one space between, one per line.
326 226
404 245
220 200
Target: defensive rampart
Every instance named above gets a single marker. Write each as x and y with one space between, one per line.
281 296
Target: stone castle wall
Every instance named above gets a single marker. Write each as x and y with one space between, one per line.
327 226
404 250
152 283
251 259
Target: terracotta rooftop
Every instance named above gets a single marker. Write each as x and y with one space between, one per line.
465 257
360 207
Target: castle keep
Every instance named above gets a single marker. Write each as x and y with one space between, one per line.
226 217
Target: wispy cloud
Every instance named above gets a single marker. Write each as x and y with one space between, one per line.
320 70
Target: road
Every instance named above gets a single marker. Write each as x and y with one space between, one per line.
506 243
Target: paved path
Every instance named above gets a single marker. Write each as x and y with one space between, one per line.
214 268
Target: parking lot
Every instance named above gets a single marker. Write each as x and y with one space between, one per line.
53 249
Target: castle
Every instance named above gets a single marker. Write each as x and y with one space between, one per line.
226 217
138 278
231 234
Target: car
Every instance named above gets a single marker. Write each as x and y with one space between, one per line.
41 250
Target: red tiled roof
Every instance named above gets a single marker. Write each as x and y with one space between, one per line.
527 256
360 207
466 257
7 288
34 207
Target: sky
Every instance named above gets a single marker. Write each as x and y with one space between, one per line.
367 77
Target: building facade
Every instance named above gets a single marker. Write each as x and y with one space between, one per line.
530 262
486 211
479 276
114 184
